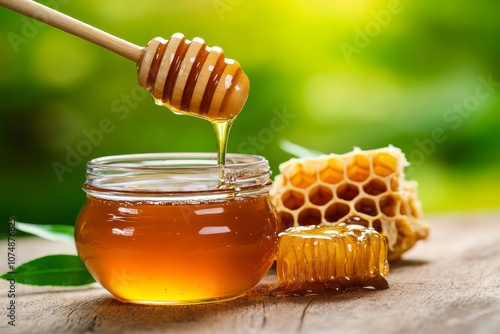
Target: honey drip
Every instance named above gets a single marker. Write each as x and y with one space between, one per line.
330 259
221 129
193 79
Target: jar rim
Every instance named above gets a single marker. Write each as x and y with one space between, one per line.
181 160
175 175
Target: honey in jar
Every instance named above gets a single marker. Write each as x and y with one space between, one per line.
160 229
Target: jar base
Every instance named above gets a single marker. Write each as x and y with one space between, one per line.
179 302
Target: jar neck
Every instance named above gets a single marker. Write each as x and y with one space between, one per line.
176 177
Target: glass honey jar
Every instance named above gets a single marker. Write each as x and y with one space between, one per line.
176 228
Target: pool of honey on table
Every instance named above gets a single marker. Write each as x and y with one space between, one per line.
187 252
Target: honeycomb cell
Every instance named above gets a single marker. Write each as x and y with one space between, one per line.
309 216
377 225
330 259
410 207
366 206
389 205
384 164
402 209
303 175
358 169
414 209
347 191
357 221
320 195
375 187
293 199
331 171
395 184
286 219
336 211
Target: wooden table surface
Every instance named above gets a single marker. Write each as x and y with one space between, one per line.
448 284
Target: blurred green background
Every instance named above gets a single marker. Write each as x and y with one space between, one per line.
327 75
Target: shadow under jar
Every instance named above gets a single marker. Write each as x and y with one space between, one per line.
176 228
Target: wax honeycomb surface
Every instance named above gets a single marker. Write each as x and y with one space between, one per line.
361 187
330 259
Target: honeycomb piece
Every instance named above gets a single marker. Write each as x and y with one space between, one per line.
330 259
361 187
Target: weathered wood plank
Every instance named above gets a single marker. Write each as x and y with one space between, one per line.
449 284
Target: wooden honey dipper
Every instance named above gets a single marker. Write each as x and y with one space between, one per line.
186 76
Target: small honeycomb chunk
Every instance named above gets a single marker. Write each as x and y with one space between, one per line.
330 259
367 186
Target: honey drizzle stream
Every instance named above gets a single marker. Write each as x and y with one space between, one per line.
221 129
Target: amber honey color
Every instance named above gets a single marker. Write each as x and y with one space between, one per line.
146 252
330 259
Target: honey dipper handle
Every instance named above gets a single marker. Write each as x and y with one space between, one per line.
66 23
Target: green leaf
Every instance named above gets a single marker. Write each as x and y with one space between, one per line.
60 233
58 270
297 150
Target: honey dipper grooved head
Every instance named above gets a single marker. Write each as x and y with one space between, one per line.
190 77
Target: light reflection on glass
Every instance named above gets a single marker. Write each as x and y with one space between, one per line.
128 210
214 230
127 231
211 211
